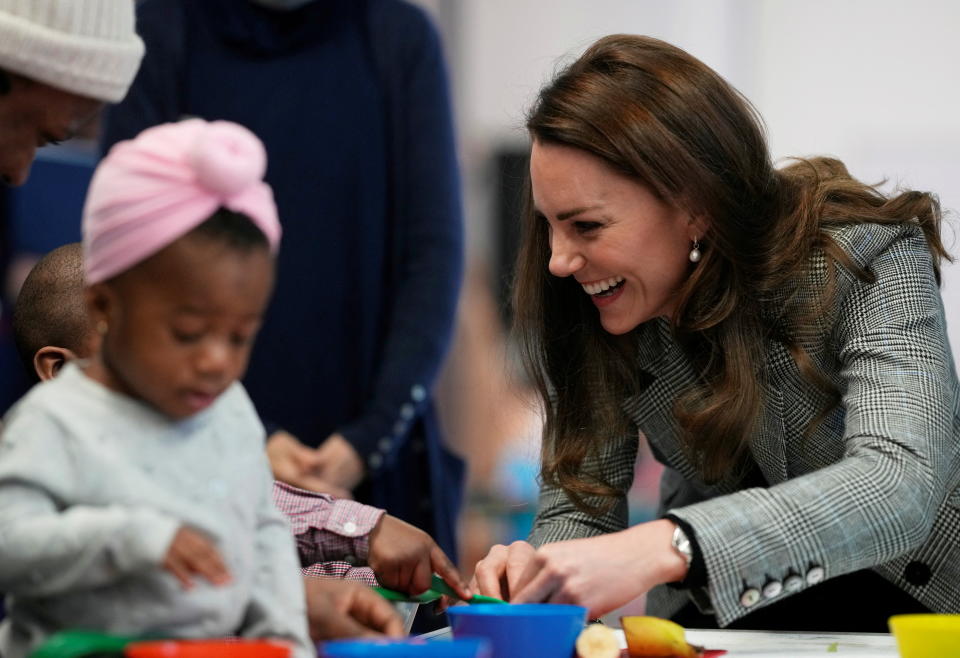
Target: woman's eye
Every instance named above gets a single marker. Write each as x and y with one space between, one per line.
586 227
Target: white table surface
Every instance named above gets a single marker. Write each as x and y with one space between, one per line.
776 644
770 644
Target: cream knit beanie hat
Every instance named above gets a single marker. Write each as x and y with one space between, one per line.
87 47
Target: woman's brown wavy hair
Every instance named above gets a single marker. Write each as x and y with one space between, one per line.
659 115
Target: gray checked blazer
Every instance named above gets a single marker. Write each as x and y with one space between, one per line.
875 486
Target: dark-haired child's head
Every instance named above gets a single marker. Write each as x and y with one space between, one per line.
50 321
176 289
177 328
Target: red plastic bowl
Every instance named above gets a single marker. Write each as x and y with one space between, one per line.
227 648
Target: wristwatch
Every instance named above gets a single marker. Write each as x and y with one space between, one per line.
681 543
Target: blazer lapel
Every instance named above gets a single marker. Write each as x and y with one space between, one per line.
670 373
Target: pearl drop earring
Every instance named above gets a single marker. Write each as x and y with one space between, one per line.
695 252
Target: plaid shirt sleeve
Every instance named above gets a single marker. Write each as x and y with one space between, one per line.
326 529
342 571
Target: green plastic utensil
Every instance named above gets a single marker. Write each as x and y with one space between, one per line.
438 584
437 589
393 595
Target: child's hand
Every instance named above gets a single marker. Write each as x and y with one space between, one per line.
346 608
191 554
404 558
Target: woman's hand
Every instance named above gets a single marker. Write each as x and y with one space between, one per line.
498 574
404 558
339 463
299 465
346 608
602 573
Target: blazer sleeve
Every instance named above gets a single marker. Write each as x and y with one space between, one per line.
558 518
898 457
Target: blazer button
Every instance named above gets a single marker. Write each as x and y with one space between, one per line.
793 583
917 574
815 575
772 589
750 597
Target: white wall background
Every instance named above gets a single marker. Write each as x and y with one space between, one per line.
873 82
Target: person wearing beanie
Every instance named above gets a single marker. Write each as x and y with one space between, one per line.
59 63
135 493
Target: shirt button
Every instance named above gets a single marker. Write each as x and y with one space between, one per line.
351 560
384 444
349 527
772 589
399 427
407 411
793 583
375 460
815 575
750 597
418 393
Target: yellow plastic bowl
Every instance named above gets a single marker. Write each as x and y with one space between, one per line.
927 636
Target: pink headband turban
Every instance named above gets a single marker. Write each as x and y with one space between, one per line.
152 190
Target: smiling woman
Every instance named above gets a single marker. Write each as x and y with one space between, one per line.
776 335
623 245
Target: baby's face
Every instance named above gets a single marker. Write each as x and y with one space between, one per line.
183 323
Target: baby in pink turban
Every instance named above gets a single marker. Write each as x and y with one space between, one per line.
135 494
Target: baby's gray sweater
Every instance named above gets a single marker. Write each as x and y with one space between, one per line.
93 487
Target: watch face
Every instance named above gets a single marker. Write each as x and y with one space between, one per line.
682 544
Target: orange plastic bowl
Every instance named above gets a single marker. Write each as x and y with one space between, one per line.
232 648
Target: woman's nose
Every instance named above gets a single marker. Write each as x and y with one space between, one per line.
565 258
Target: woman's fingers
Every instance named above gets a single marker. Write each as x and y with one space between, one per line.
519 557
539 587
490 570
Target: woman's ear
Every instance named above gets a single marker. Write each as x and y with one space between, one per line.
48 361
697 227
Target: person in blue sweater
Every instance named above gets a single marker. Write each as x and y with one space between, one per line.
350 98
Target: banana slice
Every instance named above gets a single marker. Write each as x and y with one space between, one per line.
652 636
597 641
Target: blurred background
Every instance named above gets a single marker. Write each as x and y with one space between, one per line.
872 82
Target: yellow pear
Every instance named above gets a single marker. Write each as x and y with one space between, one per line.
597 641
652 636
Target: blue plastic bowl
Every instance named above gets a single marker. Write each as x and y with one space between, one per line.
544 630
410 648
